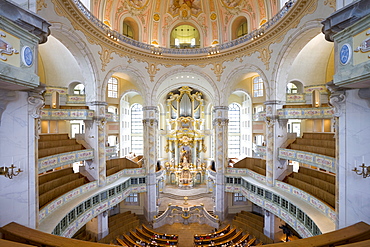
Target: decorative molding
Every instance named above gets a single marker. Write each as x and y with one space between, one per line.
36 102
218 69
337 98
40 4
105 57
152 70
331 3
265 56
96 33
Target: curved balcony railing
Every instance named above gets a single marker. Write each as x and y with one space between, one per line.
324 162
58 160
192 214
195 51
308 216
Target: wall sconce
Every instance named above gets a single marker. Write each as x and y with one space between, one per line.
365 172
9 172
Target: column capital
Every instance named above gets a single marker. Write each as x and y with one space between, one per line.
98 103
337 98
273 102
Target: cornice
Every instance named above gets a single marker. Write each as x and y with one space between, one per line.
94 35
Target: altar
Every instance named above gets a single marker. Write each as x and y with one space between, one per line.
185 138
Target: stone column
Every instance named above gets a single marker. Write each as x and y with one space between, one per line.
96 138
98 226
150 122
19 126
276 135
220 125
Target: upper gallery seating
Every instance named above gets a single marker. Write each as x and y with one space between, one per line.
319 184
251 224
119 224
116 165
54 184
357 235
256 165
50 144
320 143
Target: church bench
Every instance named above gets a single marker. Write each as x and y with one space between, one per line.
53 137
118 216
129 241
148 237
123 220
215 238
317 192
124 228
318 174
121 242
159 235
317 182
242 240
43 188
54 193
55 174
223 230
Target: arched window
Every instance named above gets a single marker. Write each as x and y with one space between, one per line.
113 88
137 129
185 36
79 89
234 130
127 30
257 86
291 88
242 29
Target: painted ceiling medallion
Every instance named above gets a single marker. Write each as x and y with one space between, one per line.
138 4
231 3
193 7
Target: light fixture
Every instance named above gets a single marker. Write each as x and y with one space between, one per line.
9 172
365 172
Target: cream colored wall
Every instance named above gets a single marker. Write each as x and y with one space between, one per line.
59 65
233 209
311 64
41 69
330 70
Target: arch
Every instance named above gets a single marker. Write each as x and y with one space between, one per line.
297 84
72 86
82 54
134 26
237 75
289 51
191 39
204 84
238 21
179 23
134 75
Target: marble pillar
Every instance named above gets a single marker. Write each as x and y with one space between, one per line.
96 138
271 225
18 145
98 227
276 135
352 126
150 122
220 126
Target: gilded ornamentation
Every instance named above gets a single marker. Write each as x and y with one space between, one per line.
40 4
218 69
265 55
105 57
213 16
6 48
156 17
331 3
193 7
152 70
138 4
231 3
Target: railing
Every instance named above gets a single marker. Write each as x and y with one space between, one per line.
193 214
58 160
305 113
66 114
196 51
111 117
259 116
76 99
318 160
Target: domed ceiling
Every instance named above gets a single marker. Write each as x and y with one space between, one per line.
153 20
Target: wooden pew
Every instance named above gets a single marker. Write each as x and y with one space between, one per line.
203 236
159 235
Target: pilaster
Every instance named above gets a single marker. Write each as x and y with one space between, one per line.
96 138
220 126
150 124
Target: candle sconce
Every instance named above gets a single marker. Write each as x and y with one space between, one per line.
365 172
9 172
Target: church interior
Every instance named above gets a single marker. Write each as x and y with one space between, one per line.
184 123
